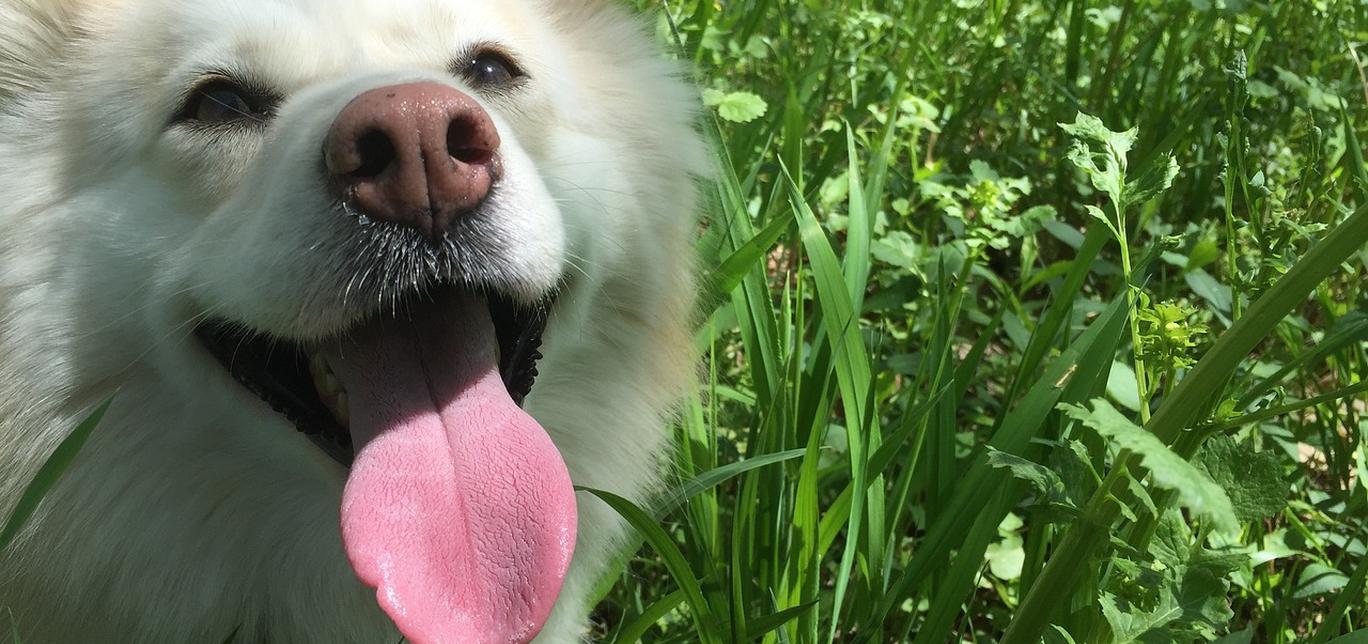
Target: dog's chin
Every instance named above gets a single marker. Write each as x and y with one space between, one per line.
296 379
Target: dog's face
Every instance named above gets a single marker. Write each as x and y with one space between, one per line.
339 232
232 108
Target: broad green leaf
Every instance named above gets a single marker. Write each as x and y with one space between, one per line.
737 107
1072 463
1196 491
1043 479
1209 289
1167 621
900 249
1203 253
1005 558
1319 579
1026 223
1129 623
834 189
1179 596
1101 154
1253 480
1066 233
1151 181
1102 216
1121 386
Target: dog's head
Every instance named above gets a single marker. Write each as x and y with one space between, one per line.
352 224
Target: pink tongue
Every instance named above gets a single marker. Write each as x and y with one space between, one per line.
458 510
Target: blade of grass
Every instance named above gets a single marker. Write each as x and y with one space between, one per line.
1282 410
1354 157
883 457
759 330
1352 332
959 580
761 626
712 478
859 228
853 375
1021 425
671 556
1089 379
1061 309
50 473
634 630
728 275
1356 637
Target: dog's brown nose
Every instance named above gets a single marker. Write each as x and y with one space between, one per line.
419 155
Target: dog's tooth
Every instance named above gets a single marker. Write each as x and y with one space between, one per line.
324 382
316 373
342 410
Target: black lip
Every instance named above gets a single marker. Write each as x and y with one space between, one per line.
276 369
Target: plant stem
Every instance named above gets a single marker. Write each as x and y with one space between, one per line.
1133 303
1268 414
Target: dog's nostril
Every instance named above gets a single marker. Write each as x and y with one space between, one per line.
466 142
376 152
417 155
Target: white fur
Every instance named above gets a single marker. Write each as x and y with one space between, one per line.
195 511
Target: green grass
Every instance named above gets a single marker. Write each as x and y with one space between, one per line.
1026 320
974 375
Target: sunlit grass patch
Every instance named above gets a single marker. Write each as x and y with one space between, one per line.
1097 383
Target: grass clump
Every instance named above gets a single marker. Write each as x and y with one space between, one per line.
974 375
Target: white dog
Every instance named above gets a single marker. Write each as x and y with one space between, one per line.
313 245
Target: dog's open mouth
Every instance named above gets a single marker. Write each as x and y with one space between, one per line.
296 380
458 508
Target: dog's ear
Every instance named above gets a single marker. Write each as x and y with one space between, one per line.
34 35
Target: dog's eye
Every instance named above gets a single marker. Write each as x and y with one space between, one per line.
223 102
491 69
